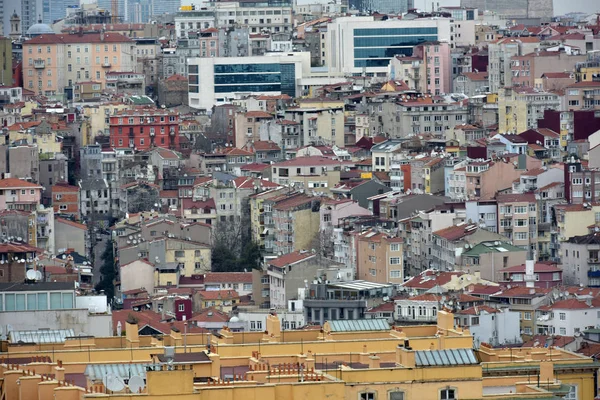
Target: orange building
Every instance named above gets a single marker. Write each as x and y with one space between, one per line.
65 199
53 62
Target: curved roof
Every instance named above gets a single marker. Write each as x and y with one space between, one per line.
39 29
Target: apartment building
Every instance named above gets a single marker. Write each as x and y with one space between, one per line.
500 53
527 68
17 194
445 253
295 223
580 260
52 63
380 258
583 95
568 316
65 199
311 172
519 108
490 258
144 128
398 119
526 301
517 217
319 124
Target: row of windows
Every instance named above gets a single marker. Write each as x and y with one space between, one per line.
384 41
444 394
247 78
247 88
244 68
395 31
36 301
382 52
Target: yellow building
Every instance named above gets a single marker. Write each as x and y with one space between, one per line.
257 218
363 360
574 219
519 108
96 121
42 133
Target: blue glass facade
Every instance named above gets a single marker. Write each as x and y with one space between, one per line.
273 77
374 47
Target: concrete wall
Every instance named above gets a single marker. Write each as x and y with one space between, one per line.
80 320
136 275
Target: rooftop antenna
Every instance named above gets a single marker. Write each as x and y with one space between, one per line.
113 383
136 384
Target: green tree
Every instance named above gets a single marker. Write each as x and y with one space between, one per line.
108 272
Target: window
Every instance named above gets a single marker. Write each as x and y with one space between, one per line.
527 316
448 394
396 273
395 247
572 395
367 396
395 261
396 395
562 316
181 307
563 331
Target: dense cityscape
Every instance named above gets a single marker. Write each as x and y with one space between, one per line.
291 200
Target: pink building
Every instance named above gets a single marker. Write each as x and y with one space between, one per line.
437 64
17 194
546 275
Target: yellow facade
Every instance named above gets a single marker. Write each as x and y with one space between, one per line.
96 121
300 365
46 143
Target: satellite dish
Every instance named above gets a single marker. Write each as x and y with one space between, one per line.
31 275
113 383
136 384
38 275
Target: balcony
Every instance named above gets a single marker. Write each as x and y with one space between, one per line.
38 64
593 274
593 260
554 245
507 228
106 65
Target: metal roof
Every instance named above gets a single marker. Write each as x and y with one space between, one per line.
437 358
40 336
359 325
360 285
95 372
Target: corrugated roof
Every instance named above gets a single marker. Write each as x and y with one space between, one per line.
437 358
41 336
95 372
359 325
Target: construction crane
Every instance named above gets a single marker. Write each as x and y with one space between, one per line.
114 10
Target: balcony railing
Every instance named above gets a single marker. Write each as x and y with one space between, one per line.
593 274
106 65
39 64
593 260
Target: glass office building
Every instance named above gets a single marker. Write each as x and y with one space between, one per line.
274 77
374 47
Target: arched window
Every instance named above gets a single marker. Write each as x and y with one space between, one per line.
434 311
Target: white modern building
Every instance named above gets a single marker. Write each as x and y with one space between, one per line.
357 45
220 80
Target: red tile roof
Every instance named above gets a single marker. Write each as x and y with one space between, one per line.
292 202
456 232
218 294
430 278
572 304
545 341
291 258
258 114
210 314
64 188
9 183
384 307
538 267
228 277
476 310
108 37
476 76
265 145
516 198
257 167
152 319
